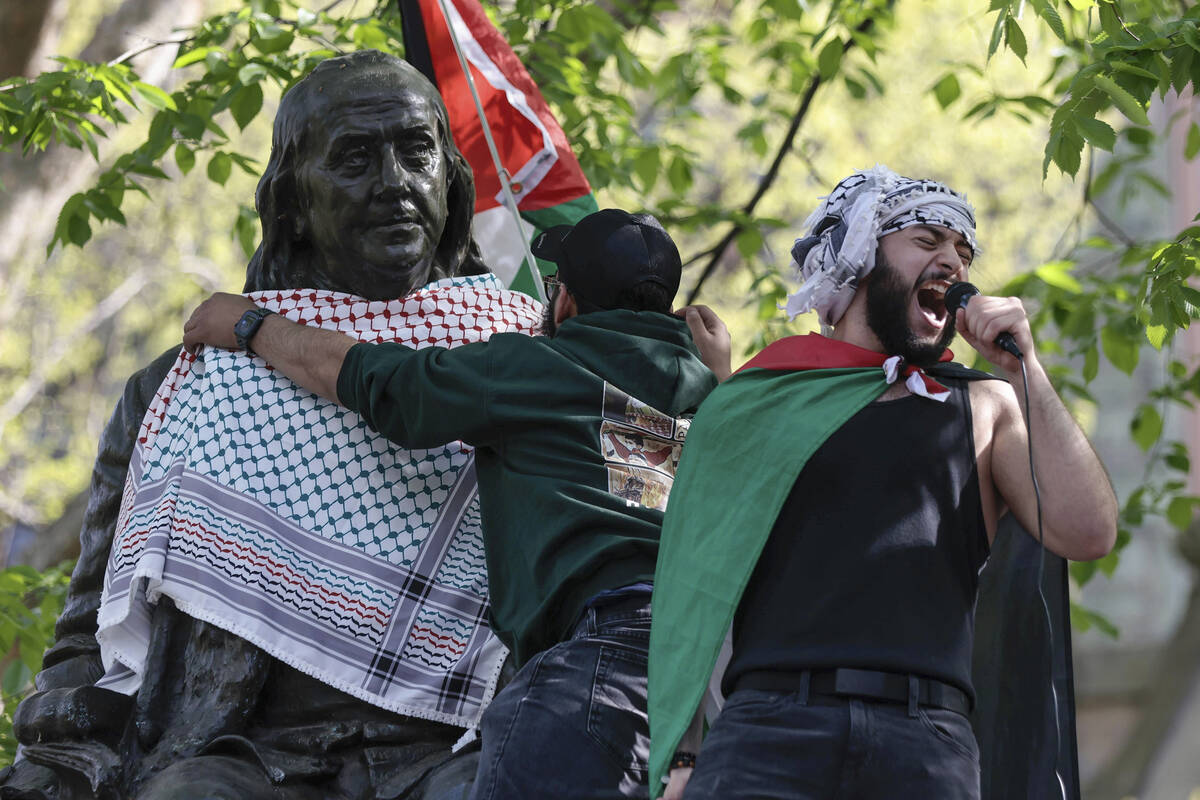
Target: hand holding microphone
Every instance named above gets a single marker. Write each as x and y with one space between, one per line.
957 297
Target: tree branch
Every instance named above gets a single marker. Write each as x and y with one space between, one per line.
718 250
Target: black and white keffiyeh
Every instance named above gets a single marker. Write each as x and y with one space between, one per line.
838 249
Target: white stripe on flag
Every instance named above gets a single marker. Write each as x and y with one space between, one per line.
530 174
501 243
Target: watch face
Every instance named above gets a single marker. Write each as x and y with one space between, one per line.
245 328
245 324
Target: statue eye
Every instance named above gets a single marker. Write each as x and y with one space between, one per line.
353 158
418 154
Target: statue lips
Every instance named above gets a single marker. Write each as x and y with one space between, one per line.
400 227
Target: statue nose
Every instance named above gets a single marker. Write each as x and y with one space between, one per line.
391 170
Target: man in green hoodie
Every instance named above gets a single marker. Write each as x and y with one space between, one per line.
577 435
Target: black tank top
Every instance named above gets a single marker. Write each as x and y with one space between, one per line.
873 562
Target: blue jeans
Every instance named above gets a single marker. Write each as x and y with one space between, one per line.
780 746
572 724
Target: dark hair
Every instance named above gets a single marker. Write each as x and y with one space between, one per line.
644 296
281 260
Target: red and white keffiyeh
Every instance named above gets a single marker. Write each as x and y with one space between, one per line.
282 518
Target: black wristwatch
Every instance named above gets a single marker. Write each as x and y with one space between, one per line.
248 325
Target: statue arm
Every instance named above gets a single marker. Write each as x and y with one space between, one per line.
74 659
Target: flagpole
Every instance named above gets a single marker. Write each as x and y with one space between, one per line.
510 199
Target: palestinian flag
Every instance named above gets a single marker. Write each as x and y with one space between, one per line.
547 182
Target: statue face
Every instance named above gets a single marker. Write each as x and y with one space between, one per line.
372 179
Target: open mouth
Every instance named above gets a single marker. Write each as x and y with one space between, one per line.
931 299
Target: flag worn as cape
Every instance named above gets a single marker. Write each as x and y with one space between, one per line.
715 529
549 186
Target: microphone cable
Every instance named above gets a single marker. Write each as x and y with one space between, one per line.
1041 570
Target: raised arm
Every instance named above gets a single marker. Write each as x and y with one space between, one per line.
311 357
416 398
1079 509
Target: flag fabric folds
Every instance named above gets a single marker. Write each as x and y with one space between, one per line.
548 184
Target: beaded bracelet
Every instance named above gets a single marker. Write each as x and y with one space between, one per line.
683 760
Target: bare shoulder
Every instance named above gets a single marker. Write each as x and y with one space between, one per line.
993 410
992 401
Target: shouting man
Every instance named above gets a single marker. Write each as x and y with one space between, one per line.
835 503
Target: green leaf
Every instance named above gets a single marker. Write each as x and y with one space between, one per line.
1084 619
16 679
1123 100
246 104
219 167
1058 274
154 95
1097 132
1049 13
1193 142
1156 334
679 174
185 158
78 230
370 36
1119 349
749 242
251 73
830 59
1081 5
275 40
246 229
1133 69
1146 426
1091 364
997 33
646 166
192 56
947 89
1180 511
1015 38
1067 155
856 89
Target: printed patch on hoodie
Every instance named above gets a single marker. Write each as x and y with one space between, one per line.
641 447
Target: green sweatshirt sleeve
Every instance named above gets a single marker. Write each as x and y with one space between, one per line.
420 398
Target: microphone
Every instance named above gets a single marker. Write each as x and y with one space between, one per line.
957 296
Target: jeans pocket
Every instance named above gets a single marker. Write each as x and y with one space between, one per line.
952 729
617 718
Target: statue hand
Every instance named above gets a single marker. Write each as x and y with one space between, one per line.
83 712
212 322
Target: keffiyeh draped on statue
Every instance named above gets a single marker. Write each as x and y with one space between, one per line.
280 517
838 249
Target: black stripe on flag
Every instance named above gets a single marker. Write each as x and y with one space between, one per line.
416 42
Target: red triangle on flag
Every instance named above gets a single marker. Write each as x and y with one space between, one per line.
532 147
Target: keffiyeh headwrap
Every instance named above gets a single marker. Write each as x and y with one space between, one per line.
838 250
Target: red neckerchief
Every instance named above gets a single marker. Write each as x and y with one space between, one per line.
814 351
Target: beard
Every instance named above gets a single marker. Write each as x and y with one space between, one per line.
887 316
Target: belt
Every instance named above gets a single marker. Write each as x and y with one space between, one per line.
886 686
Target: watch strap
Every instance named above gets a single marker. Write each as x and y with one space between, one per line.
248 325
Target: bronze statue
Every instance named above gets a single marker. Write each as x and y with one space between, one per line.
364 193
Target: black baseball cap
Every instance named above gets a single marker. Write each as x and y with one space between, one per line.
610 251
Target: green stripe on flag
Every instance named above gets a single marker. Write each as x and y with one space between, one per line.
567 213
745 448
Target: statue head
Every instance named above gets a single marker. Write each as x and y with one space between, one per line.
364 192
